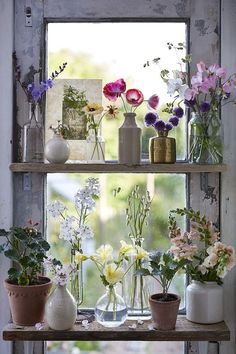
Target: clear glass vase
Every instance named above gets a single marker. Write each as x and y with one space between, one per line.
33 142
95 147
110 309
136 288
76 281
205 144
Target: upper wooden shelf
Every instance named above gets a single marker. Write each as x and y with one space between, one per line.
114 167
184 331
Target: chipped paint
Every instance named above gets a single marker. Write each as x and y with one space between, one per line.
201 27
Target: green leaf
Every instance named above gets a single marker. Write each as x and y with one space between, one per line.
3 232
24 261
142 271
12 254
45 245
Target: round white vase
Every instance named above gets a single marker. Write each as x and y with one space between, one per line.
57 149
204 302
61 309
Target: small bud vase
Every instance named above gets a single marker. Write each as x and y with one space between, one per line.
76 281
130 141
162 149
33 138
95 147
110 309
204 302
61 309
57 149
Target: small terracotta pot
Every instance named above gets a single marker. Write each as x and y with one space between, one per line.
27 303
164 313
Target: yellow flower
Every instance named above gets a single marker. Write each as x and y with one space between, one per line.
103 254
141 253
93 108
126 249
80 257
113 274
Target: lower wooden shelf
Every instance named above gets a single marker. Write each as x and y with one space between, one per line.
184 331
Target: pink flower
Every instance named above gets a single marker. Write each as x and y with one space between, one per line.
153 102
134 97
113 90
190 94
201 67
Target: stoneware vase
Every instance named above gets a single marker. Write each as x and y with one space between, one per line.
164 313
204 302
61 309
27 303
130 141
57 149
162 149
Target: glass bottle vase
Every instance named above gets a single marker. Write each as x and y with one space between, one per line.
136 288
33 145
95 147
110 309
76 281
205 145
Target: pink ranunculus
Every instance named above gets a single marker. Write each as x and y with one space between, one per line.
113 90
134 97
201 67
153 102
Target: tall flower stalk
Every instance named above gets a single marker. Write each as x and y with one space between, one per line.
136 218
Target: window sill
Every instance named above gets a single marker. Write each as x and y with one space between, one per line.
114 167
184 331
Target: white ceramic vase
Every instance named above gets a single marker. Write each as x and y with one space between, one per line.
57 149
204 302
130 141
61 309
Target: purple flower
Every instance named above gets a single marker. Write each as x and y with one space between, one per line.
49 83
160 125
189 103
168 126
150 118
178 112
174 121
205 107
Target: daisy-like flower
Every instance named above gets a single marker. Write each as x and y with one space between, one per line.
93 108
112 112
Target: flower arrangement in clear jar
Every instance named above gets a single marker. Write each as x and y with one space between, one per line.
75 229
111 309
203 94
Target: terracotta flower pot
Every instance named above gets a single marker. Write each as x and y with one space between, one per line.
27 303
164 313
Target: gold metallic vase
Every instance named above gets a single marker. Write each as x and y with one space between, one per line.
162 149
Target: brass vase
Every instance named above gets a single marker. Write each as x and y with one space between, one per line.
162 149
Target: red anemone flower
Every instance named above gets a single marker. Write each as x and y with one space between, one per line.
134 97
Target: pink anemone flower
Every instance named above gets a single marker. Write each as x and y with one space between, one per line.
113 90
134 97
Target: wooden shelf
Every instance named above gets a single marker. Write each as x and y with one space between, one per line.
114 167
184 331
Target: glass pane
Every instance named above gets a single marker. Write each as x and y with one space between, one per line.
110 51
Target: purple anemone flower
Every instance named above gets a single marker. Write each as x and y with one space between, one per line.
160 125
205 107
150 118
174 121
178 112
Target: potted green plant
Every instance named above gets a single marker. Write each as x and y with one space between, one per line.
164 306
27 288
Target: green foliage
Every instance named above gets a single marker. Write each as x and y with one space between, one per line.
26 248
73 98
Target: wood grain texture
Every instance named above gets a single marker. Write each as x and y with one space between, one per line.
113 167
184 331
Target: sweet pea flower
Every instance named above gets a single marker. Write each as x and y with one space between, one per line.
113 90
201 67
153 102
134 97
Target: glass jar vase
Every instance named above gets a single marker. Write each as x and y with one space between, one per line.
95 147
110 309
76 281
33 142
205 145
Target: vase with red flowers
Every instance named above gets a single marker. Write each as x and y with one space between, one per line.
129 132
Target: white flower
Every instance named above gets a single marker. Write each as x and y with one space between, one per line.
84 232
55 209
67 231
126 249
83 199
39 326
103 254
133 326
61 275
113 274
210 261
47 263
93 186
